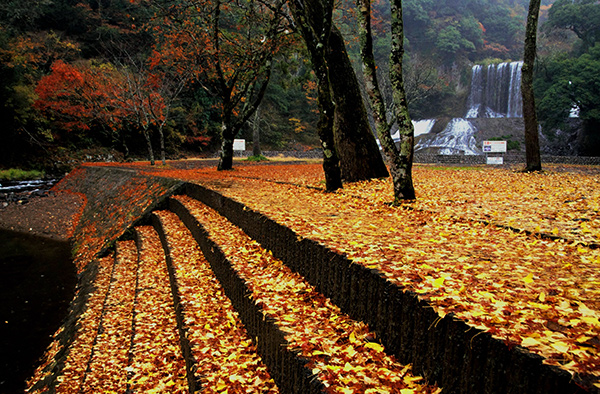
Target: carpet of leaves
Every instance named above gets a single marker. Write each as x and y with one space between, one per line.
127 339
76 363
338 348
470 245
225 357
459 246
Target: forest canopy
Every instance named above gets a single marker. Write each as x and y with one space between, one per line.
109 42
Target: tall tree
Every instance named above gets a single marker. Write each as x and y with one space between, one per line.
401 159
355 143
582 17
532 143
229 47
314 20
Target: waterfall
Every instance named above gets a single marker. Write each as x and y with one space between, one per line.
423 126
495 91
456 139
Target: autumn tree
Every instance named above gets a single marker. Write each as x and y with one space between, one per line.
314 20
114 98
532 144
24 58
400 160
79 96
149 92
228 47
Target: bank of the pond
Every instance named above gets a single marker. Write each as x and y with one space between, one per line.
78 218
37 282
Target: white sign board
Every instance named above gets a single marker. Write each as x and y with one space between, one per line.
494 146
239 144
495 160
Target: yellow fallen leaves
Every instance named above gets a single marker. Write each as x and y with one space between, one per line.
157 356
340 350
446 254
375 346
127 337
74 370
225 358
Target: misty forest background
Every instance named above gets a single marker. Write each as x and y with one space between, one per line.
39 39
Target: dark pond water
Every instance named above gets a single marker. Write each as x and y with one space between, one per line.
37 282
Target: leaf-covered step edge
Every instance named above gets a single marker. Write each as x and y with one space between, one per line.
73 341
196 320
460 358
156 359
286 366
193 380
341 351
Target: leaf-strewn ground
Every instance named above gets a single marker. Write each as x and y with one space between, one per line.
512 253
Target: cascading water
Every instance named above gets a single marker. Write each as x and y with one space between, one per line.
495 93
422 126
456 139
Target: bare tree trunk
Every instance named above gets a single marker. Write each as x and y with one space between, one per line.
400 160
360 158
532 143
226 159
314 19
162 144
149 144
256 134
403 185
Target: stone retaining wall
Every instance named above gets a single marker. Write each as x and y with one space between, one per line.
286 366
445 351
115 199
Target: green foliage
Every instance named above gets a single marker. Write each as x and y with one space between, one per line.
257 158
16 174
450 42
564 82
287 116
580 16
474 29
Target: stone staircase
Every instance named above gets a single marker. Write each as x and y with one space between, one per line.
207 295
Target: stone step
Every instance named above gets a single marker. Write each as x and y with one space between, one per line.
221 355
126 338
446 350
157 363
307 342
65 362
106 370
